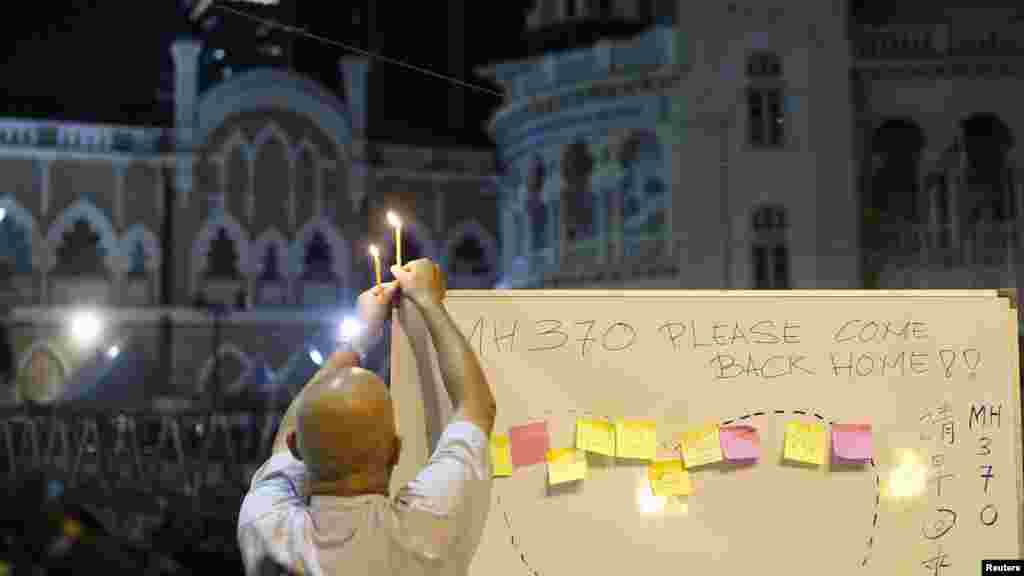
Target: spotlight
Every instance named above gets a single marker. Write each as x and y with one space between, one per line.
112 352
85 328
316 356
349 329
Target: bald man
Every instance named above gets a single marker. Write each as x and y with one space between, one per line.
320 504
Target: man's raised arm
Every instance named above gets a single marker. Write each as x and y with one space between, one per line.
422 282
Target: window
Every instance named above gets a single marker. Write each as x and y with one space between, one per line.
80 251
318 259
222 261
765 111
770 250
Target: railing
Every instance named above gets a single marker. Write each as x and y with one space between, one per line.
938 41
653 48
139 462
81 137
410 158
985 244
599 258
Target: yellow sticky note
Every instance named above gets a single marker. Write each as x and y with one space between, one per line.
501 455
805 442
636 439
566 465
669 478
596 436
701 446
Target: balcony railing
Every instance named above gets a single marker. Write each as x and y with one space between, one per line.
81 137
598 259
938 41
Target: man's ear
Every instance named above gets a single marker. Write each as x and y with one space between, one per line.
293 444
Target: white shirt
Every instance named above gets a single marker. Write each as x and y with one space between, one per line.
431 527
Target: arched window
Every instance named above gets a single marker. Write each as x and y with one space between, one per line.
318 259
222 261
766 117
80 251
988 140
577 199
897 145
15 246
272 179
137 259
537 211
770 248
271 271
469 257
237 181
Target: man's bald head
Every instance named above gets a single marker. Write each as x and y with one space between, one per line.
346 427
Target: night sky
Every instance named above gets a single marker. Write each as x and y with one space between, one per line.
107 61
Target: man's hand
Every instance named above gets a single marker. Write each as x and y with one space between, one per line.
422 281
374 306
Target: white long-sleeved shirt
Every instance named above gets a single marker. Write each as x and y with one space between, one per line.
431 527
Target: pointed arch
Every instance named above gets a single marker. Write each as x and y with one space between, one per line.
235 140
226 350
83 209
471 228
204 238
341 254
270 237
140 234
17 213
272 131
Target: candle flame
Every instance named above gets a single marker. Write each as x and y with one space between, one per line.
393 219
374 251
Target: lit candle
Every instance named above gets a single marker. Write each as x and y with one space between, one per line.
397 224
376 262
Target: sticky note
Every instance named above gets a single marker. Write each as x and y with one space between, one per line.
669 478
701 446
566 465
501 455
740 442
597 436
529 443
852 442
636 439
805 442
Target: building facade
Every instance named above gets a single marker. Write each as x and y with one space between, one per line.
765 145
264 196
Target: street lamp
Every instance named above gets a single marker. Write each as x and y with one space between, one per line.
316 356
86 328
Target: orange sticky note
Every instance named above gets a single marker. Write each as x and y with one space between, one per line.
701 446
501 455
669 478
636 439
597 436
805 442
566 465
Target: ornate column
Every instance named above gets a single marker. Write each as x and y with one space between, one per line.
186 99
43 165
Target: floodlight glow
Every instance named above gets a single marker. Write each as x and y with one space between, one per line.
112 352
316 356
86 328
393 220
373 248
3 214
349 329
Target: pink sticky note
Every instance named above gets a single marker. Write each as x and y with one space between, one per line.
530 444
740 442
852 442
